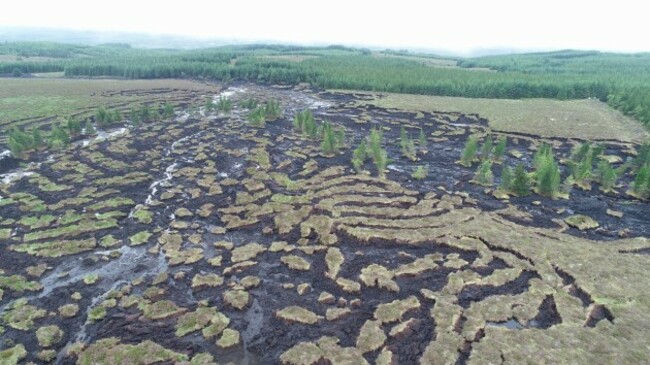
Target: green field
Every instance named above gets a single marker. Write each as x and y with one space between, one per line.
26 101
583 119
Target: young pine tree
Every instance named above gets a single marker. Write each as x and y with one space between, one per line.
506 179
359 156
328 145
134 116
381 163
224 104
375 143
100 115
641 185
408 146
168 111
548 176
469 152
59 134
298 120
89 129
209 105
521 181
642 158
484 174
486 149
500 148
37 138
74 126
256 117
606 176
310 128
541 155
272 110
378 154
145 114
339 135
422 142
420 173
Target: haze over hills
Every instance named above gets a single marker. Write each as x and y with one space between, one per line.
148 40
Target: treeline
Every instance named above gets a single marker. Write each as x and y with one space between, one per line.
621 80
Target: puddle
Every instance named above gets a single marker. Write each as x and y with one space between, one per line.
509 324
13 176
101 135
255 319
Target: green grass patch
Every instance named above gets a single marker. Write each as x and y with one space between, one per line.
588 119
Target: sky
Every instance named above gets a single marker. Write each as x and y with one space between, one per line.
459 26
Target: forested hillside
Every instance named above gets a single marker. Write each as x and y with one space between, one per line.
622 80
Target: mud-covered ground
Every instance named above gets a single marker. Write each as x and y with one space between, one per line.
203 240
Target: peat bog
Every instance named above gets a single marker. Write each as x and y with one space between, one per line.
202 239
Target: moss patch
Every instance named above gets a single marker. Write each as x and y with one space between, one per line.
13 355
298 314
140 238
209 280
159 310
379 276
110 351
581 222
229 338
238 299
246 252
371 337
334 259
56 248
197 320
68 310
19 283
97 313
91 279
49 335
296 262
395 310
21 316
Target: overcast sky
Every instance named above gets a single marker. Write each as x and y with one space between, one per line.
456 25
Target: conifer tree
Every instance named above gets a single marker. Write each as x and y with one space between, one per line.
89 129
422 142
328 145
641 185
469 152
420 173
500 148
486 149
37 138
506 179
521 181
548 176
168 111
484 174
359 156
606 176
